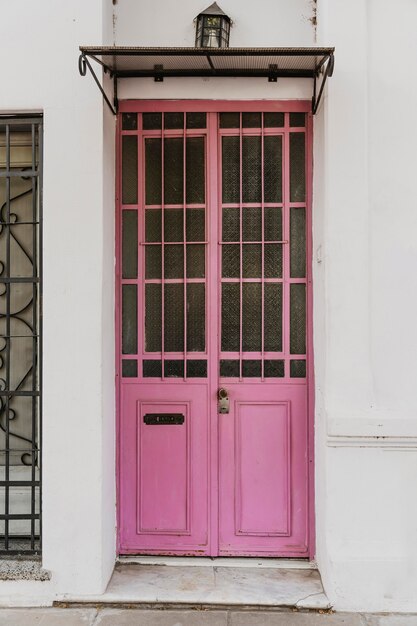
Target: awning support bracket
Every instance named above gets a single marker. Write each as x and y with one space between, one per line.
83 64
328 71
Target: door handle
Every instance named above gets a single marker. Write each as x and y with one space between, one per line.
223 400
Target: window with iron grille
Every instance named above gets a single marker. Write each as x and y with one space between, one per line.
20 339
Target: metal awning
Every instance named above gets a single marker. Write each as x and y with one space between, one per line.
159 63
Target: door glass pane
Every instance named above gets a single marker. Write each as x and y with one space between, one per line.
174 120
273 168
152 368
273 317
174 261
196 120
297 119
230 224
153 171
252 316
273 260
196 317
229 120
174 317
196 369
273 224
231 261
274 368
196 261
297 242
251 120
129 169
174 368
252 260
230 169
252 224
173 170
129 319
195 225
252 368
152 121
298 369
230 317
274 120
297 318
229 367
153 261
251 169
129 121
297 167
129 244
129 368
173 225
153 225
195 161
153 316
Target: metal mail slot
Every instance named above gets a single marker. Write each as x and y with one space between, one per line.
163 418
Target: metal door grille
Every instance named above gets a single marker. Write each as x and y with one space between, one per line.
163 246
263 246
20 304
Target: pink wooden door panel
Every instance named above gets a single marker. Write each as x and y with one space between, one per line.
164 470
214 291
262 473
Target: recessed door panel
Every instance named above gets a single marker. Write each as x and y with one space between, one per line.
213 292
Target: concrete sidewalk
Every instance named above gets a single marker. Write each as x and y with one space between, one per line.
171 617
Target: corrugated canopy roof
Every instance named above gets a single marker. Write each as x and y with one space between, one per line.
124 62
160 63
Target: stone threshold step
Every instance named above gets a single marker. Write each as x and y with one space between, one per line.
182 586
196 561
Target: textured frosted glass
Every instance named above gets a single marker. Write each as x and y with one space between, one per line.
153 171
230 317
153 316
129 169
297 318
273 317
174 317
196 317
173 170
297 167
129 244
129 319
298 243
251 169
230 169
251 316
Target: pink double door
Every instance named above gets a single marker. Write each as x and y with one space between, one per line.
213 284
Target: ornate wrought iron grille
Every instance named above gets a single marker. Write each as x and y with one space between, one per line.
20 306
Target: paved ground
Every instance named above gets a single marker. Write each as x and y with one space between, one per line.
139 617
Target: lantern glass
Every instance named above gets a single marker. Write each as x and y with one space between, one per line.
212 29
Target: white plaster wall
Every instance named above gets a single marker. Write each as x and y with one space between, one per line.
40 42
365 307
162 23
166 23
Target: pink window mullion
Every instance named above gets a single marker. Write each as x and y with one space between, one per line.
263 252
184 213
286 248
141 250
241 250
162 254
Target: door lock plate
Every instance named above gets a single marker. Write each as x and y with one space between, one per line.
223 400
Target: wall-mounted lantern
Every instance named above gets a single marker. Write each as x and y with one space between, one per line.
212 28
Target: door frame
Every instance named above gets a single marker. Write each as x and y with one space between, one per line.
220 106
